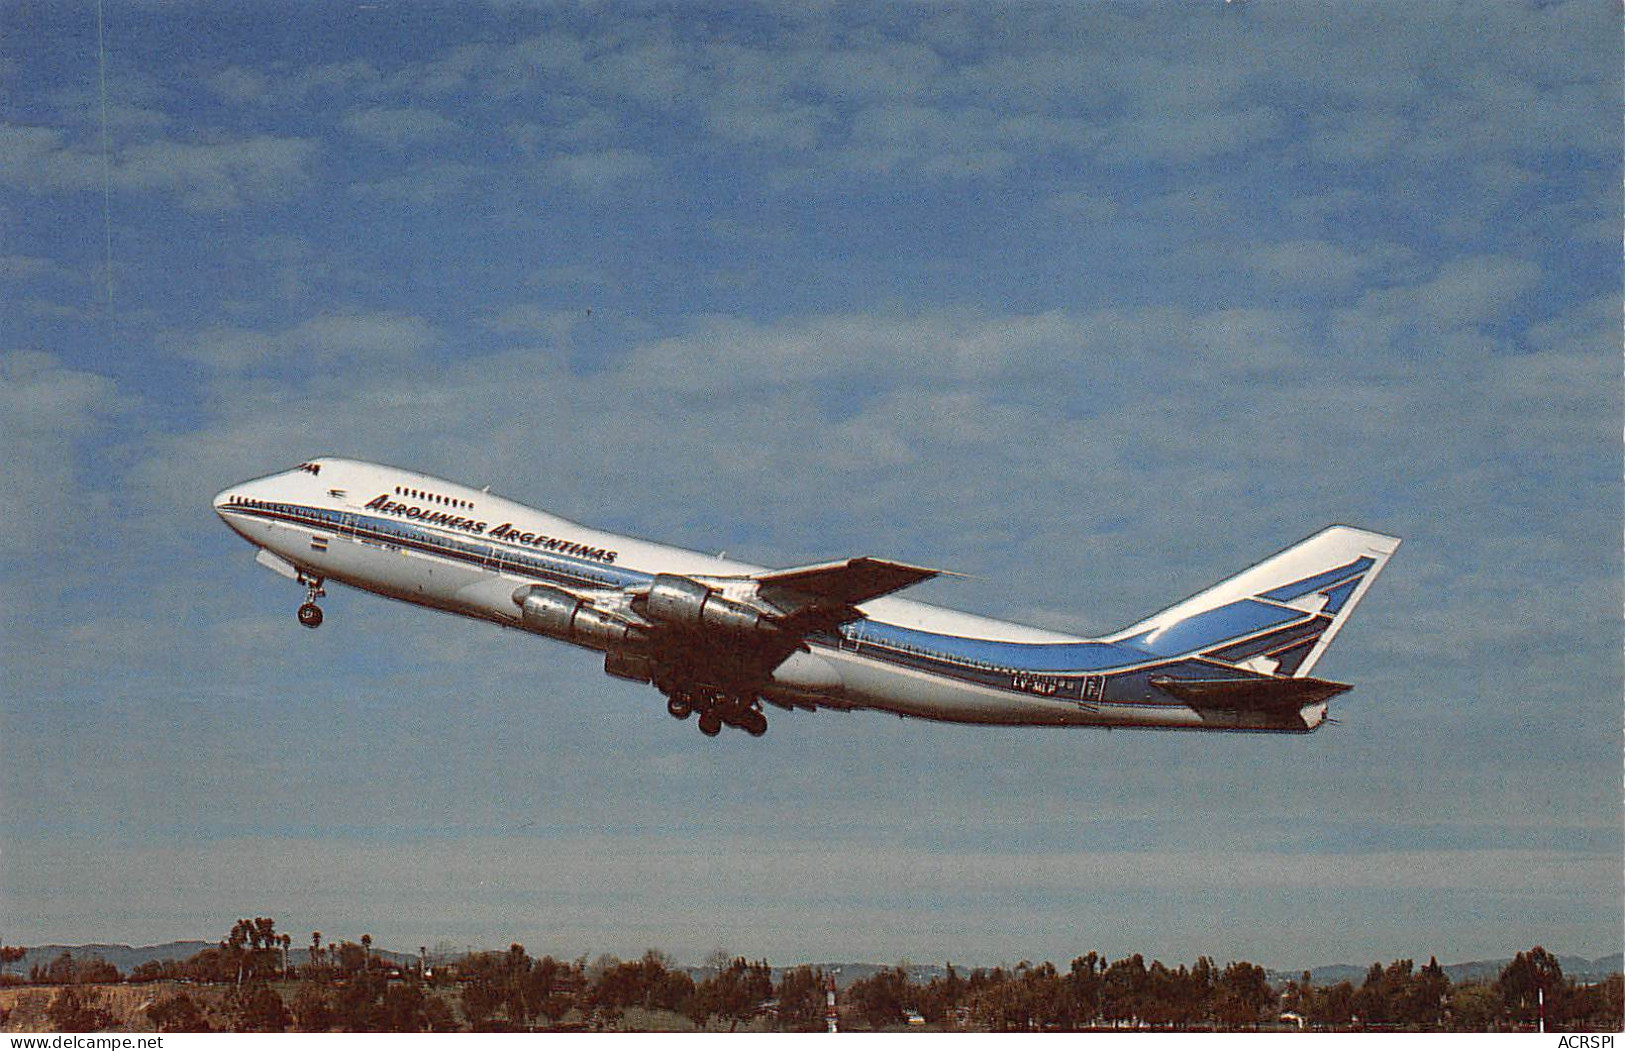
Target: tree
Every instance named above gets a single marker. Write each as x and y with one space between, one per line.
312 1011
802 999
735 992
1525 981
499 982
1475 1007
1243 995
480 999
1332 1006
351 959
178 1014
993 999
404 1009
940 999
10 954
65 970
251 948
1123 989
259 1009
1371 1001
1083 986
357 999
551 983
1040 998
652 983
882 997
77 1010
1596 1008
1429 993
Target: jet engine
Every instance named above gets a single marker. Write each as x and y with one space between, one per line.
687 603
559 614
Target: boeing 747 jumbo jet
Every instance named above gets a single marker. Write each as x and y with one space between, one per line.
720 638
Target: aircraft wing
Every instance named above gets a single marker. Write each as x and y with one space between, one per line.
829 592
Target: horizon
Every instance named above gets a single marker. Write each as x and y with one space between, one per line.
1094 305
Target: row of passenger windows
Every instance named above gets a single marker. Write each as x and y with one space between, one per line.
433 498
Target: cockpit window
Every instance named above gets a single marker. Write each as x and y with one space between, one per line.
313 468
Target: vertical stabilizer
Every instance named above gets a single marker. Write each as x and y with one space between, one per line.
1277 617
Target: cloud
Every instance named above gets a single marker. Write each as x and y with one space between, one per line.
239 84
399 127
1323 267
218 177
350 341
438 182
530 318
206 177
49 413
1477 290
350 78
598 171
39 160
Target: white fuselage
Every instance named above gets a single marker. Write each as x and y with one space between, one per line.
451 547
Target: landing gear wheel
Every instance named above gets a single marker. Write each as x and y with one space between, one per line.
310 615
710 723
678 708
752 722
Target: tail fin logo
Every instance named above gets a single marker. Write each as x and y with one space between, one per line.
1334 585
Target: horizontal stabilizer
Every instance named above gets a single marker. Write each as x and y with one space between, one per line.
1250 694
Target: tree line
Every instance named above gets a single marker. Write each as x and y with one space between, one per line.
347 987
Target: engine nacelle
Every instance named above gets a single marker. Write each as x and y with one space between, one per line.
559 614
688 603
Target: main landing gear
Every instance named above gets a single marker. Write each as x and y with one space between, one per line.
310 614
716 710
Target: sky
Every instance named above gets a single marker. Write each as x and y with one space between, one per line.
1094 304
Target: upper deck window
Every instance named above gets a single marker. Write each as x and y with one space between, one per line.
313 468
434 498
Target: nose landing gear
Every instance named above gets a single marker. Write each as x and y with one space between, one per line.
310 614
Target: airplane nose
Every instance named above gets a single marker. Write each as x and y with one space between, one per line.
220 499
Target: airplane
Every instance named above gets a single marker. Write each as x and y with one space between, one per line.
724 640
